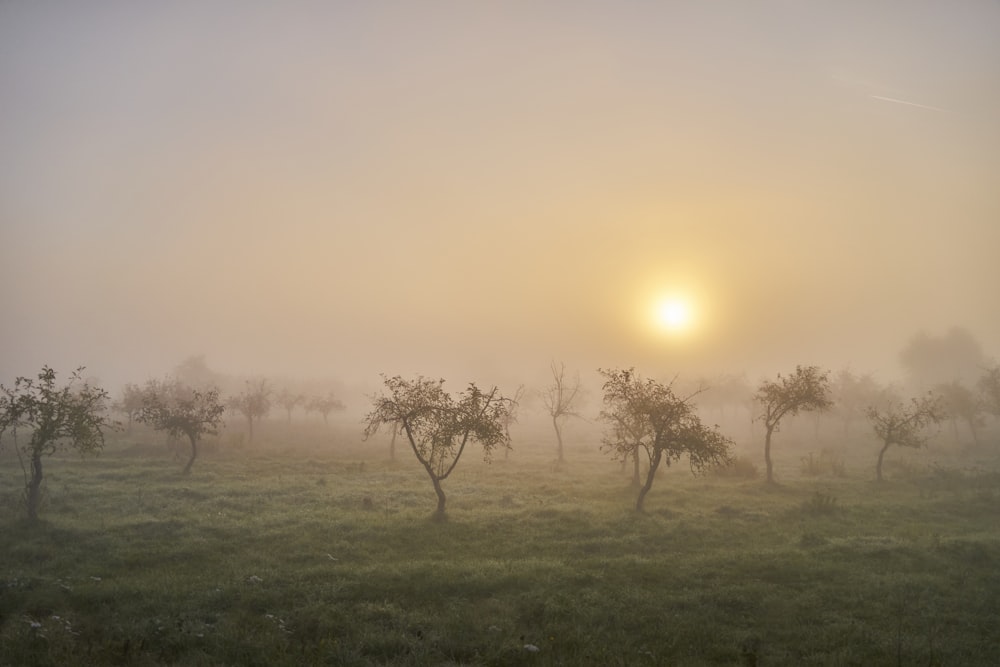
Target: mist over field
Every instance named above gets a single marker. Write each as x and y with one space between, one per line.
710 289
474 190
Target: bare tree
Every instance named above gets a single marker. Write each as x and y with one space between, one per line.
324 405
73 416
805 389
289 401
181 410
254 403
439 427
897 424
559 399
647 415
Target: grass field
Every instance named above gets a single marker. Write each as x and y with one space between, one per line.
290 556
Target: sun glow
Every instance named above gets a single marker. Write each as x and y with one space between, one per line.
674 315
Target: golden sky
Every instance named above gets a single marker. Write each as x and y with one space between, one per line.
474 189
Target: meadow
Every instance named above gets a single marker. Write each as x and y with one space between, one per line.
321 551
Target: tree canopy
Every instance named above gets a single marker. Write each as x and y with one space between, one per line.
439 426
808 388
73 416
181 410
647 415
903 425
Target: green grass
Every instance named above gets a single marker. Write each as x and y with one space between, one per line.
275 558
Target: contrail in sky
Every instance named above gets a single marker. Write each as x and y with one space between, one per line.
912 104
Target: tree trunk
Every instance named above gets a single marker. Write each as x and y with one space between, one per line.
767 454
878 466
194 453
34 490
392 444
439 512
555 424
654 463
635 466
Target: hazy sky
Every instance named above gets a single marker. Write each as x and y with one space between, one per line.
471 189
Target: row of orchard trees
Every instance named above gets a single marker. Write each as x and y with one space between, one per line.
40 417
644 417
253 404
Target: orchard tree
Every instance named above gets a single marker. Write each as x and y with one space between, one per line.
181 410
511 417
73 416
961 403
852 394
324 405
808 388
898 424
130 403
254 403
289 401
438 426
648 416
989 388
560 398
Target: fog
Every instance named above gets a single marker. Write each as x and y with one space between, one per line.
472 190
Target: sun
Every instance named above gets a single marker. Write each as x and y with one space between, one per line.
674 315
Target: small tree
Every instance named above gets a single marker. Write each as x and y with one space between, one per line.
961 403
648 415
130 403
180 410
324 405
289 401
989 388
73 416
254 403
805 389
439 427
851 394
559 399
897 424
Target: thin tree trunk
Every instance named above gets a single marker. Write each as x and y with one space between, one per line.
555 424
878 466
392 443
439 512
34 495
653 465
767 454
194 453
635 466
